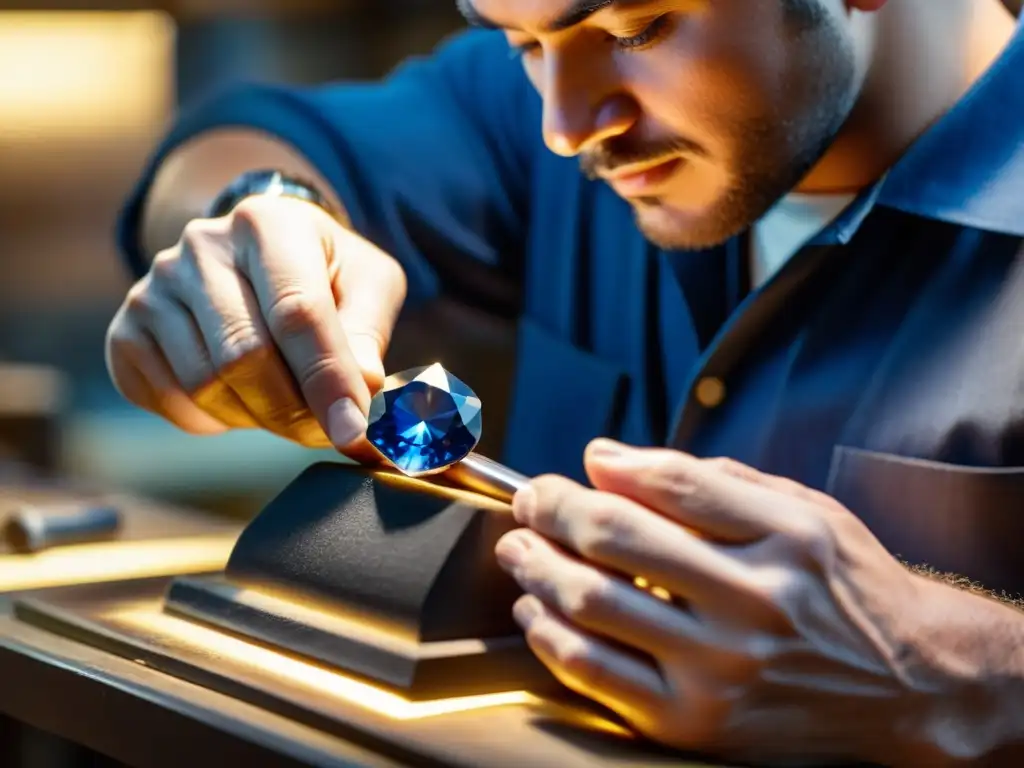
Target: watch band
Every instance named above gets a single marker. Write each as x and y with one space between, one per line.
266 182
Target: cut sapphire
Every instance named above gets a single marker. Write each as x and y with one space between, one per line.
424 420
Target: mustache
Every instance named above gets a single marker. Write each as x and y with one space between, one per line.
619 152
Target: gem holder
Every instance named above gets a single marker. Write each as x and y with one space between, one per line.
386 574
380 575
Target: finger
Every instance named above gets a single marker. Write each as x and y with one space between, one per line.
175 331
370 287
776 483
713 503
628 686
142 374
242 352
595 600
624 536
287 267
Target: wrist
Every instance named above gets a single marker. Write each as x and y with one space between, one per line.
969 677
271 183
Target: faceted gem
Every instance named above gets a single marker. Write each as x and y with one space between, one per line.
424 420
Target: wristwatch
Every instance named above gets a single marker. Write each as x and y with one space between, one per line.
266 182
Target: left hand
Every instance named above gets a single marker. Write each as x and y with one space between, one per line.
787 632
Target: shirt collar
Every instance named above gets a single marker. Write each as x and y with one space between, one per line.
968 168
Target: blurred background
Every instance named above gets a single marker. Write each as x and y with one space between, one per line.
86 89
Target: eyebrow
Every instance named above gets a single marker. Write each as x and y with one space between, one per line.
577 13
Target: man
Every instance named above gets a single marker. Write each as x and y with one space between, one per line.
795 243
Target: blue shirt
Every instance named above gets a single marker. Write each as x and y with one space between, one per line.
884 363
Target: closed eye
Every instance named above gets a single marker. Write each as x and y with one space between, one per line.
648 37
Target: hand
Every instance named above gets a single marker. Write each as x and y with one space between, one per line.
274 316
783 628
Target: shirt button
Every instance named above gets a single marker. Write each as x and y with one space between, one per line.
710 392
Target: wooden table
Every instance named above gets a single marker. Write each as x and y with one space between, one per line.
102 666
155 540
88 654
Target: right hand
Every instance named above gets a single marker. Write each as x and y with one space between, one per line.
274 317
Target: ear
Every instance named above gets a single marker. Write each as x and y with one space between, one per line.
868 6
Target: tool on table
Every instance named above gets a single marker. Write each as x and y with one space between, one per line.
31 528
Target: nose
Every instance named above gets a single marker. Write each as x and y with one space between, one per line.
574 120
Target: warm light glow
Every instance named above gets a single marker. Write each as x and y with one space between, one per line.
335 622
319 680
478 500
659 592
114 561
84 73
662 594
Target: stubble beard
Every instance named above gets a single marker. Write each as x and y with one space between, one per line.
776 156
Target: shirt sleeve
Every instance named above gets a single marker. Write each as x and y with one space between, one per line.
432 163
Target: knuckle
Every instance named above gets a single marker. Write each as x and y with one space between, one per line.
551 491
292 313
319 366
677 479
728 466
255 214
781 600
138 301
588 602
165 265
238 340
811 535
549 483
577 658
195 237
375 336
610 528
254 210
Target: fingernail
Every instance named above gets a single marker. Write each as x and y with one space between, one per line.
511 549
345 423
524 503
525 611
604 449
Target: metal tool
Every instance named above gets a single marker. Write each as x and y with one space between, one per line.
32 529
478 473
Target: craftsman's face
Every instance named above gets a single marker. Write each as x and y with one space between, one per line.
701 113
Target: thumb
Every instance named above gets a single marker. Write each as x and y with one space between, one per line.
371 289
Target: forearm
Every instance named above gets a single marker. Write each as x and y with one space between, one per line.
195 173
972 678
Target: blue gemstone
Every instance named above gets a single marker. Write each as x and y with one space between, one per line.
424 420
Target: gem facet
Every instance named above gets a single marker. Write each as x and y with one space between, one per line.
424 420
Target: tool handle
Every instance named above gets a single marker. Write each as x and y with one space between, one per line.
487 476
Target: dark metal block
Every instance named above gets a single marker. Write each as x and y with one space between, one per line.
376 574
